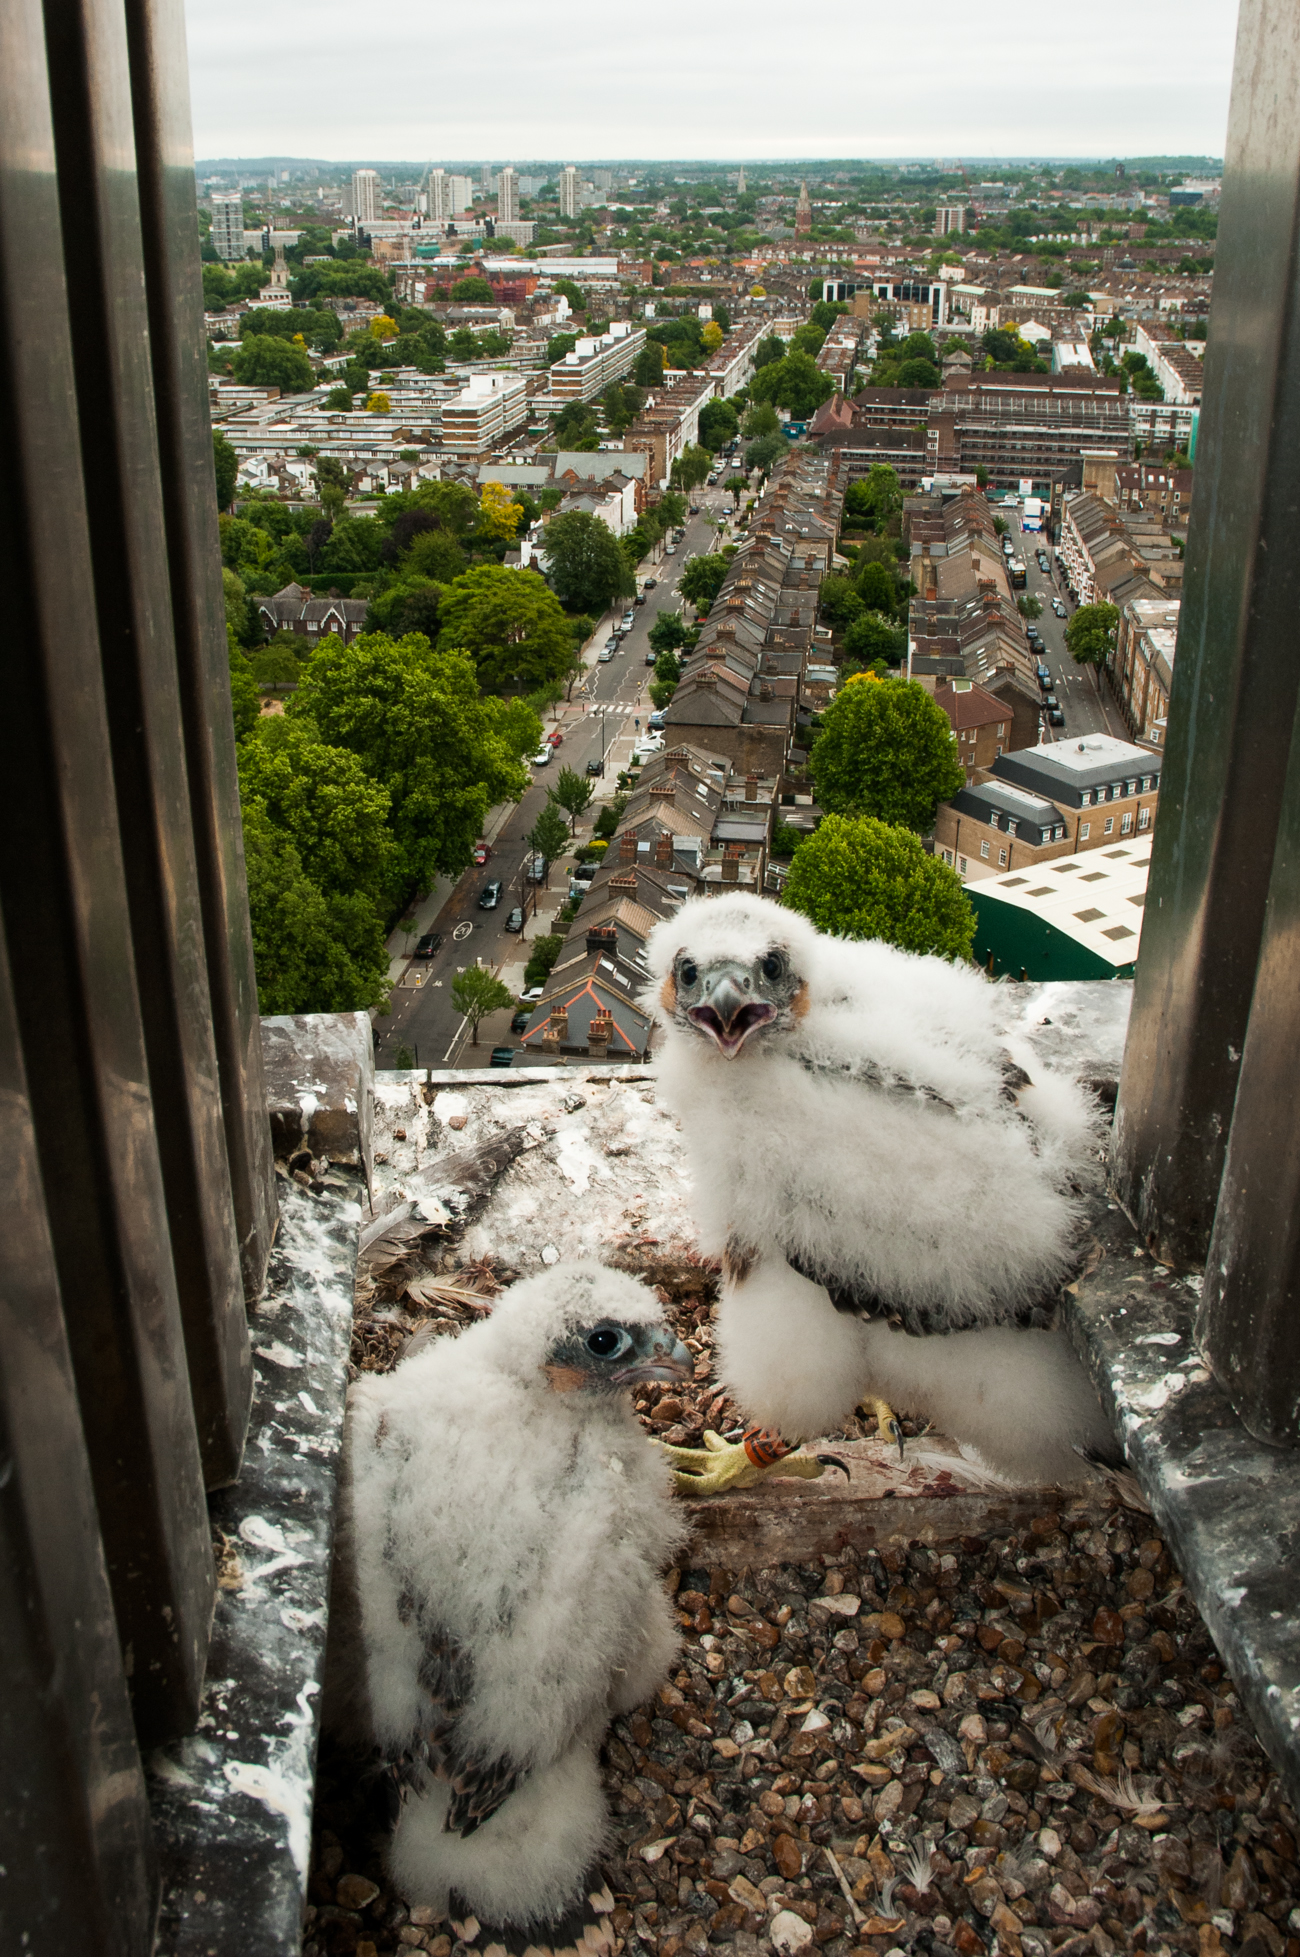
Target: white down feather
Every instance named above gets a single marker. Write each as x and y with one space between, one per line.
965 1208
534 1527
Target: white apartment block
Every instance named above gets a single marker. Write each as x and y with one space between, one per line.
228 224
486 409
593 364
568 191
949 218
508 196
365 196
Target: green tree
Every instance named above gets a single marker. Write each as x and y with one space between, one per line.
878 587
434 554
766 451
476 991
719 423
886 750
312 952
648 370
877 499
668 632
417 723
264 361
871 636
796 383
339 400
549 835
572 792
1090 634
322 799
703 577
471 291
1029 607
840 603
768 352
692 467
510 623
225 464
721 317
245 700
762 419
861 878
584 563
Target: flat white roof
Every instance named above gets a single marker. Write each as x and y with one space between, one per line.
1096 897
1093 751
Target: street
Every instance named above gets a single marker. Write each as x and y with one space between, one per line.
608 706
1086 711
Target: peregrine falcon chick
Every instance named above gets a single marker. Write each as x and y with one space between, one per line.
872 1158
504 1529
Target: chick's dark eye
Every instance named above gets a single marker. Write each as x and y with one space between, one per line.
772 965
687 972
603 1341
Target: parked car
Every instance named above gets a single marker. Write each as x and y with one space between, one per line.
595 766
651 657
639 599
695 509
585 873
482 853
515 921
1058 608
519 1023
650 583
606 653
535 868
491 896
670 550
542 758
502 1056
1056 717
534 992
1051 702
430 943
629 618
655 720
555 737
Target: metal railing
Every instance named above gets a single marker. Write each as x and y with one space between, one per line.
138 1200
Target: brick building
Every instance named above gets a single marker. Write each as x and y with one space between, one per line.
1042 802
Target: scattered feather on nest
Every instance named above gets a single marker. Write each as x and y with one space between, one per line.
1121 1792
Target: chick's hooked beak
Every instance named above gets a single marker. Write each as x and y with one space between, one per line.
667 1359
728 1009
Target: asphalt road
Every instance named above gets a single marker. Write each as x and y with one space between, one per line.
425 1019
1085 710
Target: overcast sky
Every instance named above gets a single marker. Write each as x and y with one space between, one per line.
509 81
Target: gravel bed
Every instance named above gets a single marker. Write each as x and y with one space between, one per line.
1016 1745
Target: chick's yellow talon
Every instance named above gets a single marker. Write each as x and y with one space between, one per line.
720 1465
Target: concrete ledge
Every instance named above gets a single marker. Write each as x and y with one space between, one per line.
320 1072
1228 1506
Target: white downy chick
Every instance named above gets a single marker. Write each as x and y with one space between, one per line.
871 1157
504 1529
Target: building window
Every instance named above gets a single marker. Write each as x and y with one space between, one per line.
1146 784
999 750
1126 823
961 864
1085 800
1131 787
1084 827
993 819
1110 824
1144 818
1002 858
984 849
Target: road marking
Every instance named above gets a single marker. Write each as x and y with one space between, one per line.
461 932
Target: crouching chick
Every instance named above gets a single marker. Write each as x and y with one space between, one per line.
504 1528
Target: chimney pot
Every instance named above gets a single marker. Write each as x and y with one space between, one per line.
627 847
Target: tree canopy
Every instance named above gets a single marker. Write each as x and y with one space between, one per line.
415 720
475 993
510 623
225 465
264 361
886 750
321 797
795 382
584 563
701 581
1090 634
313 951
719 423
861 878
876 499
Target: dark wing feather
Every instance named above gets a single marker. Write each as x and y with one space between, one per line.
869 1073
478 1787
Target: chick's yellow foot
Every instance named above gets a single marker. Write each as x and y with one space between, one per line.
887 1422
723 1464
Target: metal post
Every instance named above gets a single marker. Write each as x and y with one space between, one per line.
64 900
79 1865
165 162
1235 678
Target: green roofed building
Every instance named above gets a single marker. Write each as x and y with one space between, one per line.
1079 917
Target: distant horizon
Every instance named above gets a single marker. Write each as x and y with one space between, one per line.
844 83
1173 160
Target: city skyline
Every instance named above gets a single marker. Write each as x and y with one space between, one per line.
1153 79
